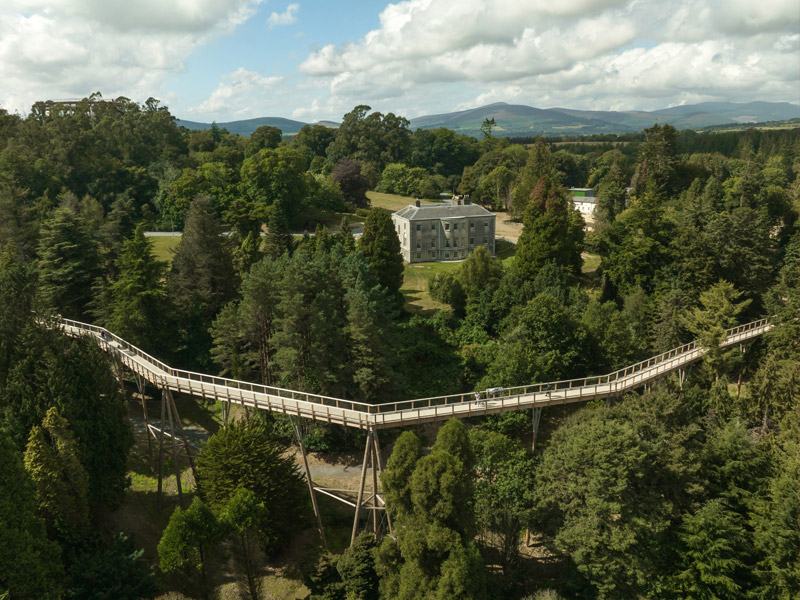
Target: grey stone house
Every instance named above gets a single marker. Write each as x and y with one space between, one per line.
443 231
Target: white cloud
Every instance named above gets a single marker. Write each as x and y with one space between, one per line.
287 17
71 48
582 53
237 95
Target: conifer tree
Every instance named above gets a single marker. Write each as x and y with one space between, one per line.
68 264
189 544
30 564
201 280
279 238
139 310
244 515
380 244
51 459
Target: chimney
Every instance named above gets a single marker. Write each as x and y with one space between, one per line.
459 202
466 200
417 203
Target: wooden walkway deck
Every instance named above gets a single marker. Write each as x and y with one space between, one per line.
408 412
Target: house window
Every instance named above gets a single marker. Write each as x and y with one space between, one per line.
433 254
471 241
455 243
418 246
419 254
455 226
419 227
486 239
447 243
447 255
486 223
433 226
433 243
472 225
447 226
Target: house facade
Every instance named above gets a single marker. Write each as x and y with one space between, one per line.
443 231
583 199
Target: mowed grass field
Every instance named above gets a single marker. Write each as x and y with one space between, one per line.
164 246
393 202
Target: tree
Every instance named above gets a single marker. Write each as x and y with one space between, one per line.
189 542
347 173
68 264
552 230
245 454
30 564
630 468
61 481
201 280
275 177
138 308
433 556
263 137
658 162
503 493
381 246
719 307
487 126
713 541
244 515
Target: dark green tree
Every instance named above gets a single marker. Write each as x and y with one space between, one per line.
380 244
51 459
30 564
138 308
263 137
245 515
201 280
189 543
246 454
68 264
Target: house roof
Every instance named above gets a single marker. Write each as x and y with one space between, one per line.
442 211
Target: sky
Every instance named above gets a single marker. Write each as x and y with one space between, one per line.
311 60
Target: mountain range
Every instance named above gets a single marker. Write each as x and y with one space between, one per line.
514 120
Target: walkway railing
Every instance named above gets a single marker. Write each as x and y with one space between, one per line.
404 412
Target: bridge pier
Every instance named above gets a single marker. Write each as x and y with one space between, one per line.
373 502
140 385
536 417
169 412
311 489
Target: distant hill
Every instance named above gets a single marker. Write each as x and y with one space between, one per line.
248 126
519 120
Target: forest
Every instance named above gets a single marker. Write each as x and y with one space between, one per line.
686 490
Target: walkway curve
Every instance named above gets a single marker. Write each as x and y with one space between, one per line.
407 412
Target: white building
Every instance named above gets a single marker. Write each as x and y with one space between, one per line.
583 199
443 231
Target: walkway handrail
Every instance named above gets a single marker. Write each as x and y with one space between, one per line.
580 388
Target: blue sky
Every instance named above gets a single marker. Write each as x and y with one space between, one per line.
312 60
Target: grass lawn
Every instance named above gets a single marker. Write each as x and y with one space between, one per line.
416 277
415 285
163 246
392 202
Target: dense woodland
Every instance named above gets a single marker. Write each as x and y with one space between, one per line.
680 492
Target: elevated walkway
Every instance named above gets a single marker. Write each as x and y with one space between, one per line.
407 412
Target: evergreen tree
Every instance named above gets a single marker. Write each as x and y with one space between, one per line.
719 308
189 543
30 564
552 230
246 454
713 541
279 238
61 481
201 280
380 244
244 515
68 263
139 309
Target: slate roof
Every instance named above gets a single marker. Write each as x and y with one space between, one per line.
442 211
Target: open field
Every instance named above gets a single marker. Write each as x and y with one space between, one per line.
392 202
163 246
